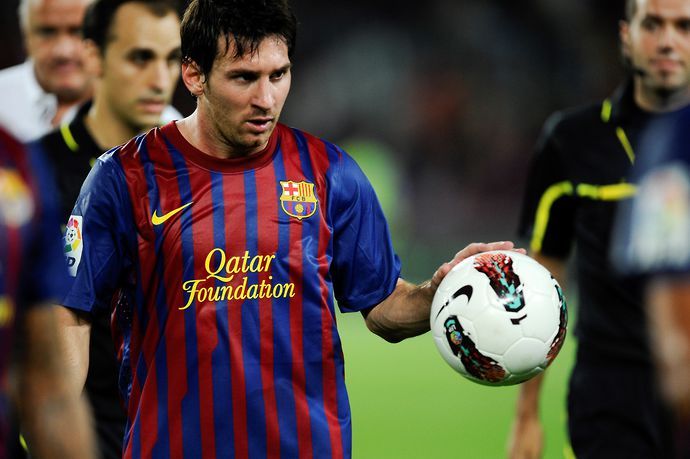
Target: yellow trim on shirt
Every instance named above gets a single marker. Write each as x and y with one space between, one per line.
606 110
626 144
68 137
606 192
541 221
615 192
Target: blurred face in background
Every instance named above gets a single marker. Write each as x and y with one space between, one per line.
140 65
52 34
656 40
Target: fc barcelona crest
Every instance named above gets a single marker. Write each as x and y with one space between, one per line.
298 199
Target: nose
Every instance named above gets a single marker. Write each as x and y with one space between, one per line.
667 38
263 94
67 47
162 77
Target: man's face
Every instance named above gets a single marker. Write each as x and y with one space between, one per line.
52 34
657 42
242 98
141 65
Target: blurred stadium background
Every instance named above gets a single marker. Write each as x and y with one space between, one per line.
441 102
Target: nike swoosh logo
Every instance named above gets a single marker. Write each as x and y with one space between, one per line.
159 220
466 290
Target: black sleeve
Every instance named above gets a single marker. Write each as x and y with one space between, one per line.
548 206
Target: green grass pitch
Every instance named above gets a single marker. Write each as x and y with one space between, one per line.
408 404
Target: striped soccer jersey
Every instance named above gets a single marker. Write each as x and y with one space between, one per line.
32 269
222 275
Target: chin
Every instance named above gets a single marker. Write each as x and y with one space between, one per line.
71 92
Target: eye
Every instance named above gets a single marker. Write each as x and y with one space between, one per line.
46 32
684 25
175 57
140 57
244 77
75 32
650 23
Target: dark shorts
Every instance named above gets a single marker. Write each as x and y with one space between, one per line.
615 411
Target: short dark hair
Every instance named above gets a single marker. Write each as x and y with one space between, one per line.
99 16
630 9
247 22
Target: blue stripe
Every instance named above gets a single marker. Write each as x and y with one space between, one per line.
251 334
344 415
161 446
282 343
311 316
220 357
136 436
191 408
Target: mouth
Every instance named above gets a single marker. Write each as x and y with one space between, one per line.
62 67
665 64
260 125
153 106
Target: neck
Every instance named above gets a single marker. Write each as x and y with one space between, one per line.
106 128
199 132
660 101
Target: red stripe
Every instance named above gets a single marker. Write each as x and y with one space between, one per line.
268 245
174 328
206 327
143 342
320 164
235 244
18 159
293 170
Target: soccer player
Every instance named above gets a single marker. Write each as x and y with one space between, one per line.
578 175
651 238
32 275
221 241
45 89
134 48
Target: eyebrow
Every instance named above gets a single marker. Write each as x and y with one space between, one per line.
659 18
243 71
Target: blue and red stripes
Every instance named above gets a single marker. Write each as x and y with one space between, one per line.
233 377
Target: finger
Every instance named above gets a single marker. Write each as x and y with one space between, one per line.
440 273
479 247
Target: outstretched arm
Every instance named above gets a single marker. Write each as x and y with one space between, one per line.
54 416
405 313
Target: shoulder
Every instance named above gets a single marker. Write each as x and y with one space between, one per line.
14 74
315 146
573 120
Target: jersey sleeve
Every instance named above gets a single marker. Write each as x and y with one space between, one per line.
652 231
546 218
365 269
97 238
44 274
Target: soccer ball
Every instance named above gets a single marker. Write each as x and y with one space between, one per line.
499 318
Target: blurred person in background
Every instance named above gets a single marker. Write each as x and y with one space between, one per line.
133 48
579 173
39 93
32 276
652 238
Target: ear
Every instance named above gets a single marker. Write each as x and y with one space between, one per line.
193 78
93 60
624 34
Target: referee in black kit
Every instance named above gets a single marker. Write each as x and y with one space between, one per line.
134 45
577 176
